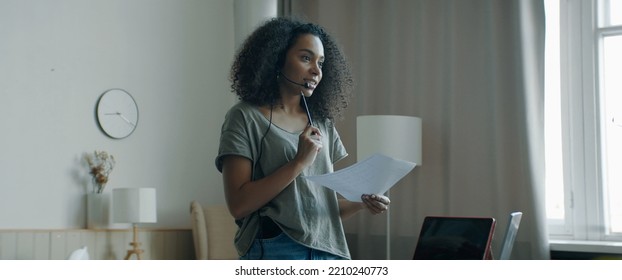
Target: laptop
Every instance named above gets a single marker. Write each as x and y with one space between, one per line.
455 238
510 235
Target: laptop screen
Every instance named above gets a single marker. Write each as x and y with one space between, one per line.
454 238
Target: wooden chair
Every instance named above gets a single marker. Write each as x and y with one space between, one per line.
213 230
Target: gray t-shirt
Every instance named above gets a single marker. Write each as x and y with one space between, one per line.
305 211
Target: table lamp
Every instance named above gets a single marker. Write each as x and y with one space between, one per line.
135 206
395 136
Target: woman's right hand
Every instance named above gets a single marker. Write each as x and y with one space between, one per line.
309 144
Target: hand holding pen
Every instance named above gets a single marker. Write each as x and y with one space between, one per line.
309 145
309 142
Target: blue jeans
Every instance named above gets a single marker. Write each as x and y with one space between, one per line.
281 247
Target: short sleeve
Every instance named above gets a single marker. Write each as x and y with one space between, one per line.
339 150
234 137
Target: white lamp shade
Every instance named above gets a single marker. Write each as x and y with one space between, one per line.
398 137
134 205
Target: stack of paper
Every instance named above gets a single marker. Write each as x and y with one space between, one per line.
374 175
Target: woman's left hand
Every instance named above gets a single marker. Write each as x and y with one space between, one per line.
375 203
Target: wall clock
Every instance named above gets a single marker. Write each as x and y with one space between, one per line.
117 113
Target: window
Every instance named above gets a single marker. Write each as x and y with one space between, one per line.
584 119
610 36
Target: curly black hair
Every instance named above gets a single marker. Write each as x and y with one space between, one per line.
254 71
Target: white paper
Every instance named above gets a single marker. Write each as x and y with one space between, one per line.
374 175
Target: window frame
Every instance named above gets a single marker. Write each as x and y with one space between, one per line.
603 30
580 68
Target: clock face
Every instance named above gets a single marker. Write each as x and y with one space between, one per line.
117 113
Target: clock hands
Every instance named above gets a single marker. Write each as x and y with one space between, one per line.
126 120
123 117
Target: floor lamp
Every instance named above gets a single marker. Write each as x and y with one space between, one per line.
398 137
134 205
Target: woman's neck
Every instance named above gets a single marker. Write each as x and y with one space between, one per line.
290 104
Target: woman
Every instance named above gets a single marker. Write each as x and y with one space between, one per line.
270 140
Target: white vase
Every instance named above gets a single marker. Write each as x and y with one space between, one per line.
97 210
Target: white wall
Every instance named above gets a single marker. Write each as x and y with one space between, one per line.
248 14
57 57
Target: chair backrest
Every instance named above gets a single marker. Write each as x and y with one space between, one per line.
213 230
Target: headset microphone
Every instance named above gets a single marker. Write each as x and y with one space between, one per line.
305 85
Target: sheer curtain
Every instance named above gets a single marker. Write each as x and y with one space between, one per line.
473 71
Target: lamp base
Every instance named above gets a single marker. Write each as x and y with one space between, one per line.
135 246
136 250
